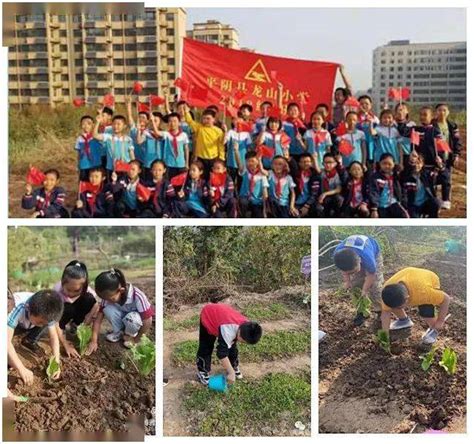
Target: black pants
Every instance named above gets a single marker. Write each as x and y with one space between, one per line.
331 206
279 211
351 212
395 210
77 311
207 166
31 335
444 179
256 211
206 348
236 177
429 209
229 210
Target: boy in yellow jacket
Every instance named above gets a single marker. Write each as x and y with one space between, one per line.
415 287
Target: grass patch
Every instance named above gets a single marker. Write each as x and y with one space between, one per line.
250 407
272 346
256 312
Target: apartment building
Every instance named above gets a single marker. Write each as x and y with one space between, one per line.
213 31
56 58
434 72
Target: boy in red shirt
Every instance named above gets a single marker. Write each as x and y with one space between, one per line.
223 322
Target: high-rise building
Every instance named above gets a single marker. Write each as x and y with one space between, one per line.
56 58
213 31
434 72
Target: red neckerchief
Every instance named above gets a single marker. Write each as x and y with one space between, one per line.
326 178
175 141
252 180
296 122
301 179
156 196
93 198
87 138
356 186
278 184
217 181
317 133
390 183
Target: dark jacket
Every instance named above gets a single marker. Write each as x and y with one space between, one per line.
99 204
377 183
454 142
48 205
410 185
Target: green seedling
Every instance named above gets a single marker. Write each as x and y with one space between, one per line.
428 359
53 368
362 304
23 398
143 356
383 339
449 360
84 333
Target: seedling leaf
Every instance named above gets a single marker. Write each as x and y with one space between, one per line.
52 368
383 340
428 359
84 333
449 360
362 304
143 355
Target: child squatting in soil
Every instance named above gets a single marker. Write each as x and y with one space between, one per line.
360 259
228 326
31 314
415 287
80 304
126 308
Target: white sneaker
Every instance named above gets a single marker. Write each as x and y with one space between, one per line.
400 324
238 373
114 337
445 205
430 336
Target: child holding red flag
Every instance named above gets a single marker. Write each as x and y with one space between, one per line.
385 192
339 110
308 187
253 192
48 200
351 144
294 127
387 138
222 191
89 150
273 137
194 193
181 110
125 189
356 192
318 140
240 136
96 198
175 146
118 145
450 152
333 176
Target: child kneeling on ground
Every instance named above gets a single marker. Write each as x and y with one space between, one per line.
126 308
228 326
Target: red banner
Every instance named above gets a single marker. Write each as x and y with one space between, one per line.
252 77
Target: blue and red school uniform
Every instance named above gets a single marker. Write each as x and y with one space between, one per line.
117 148
385 195
96 204
279 192
387 140
357 140
48 205
292 128
89 152
312 138
367 121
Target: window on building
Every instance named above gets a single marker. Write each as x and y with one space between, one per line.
169 31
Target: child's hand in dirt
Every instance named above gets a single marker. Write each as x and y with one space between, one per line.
28 188
92 347
71 350
27 376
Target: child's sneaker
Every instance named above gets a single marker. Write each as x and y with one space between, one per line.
430 336
114 337
445 205
203 378
400 324
238 373
359 320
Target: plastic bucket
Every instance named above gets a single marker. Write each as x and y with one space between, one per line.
218 383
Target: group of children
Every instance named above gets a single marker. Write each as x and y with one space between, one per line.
356 164
359 258
70 303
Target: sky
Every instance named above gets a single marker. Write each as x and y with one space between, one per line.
340 35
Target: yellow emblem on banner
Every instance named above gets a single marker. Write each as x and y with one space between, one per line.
258 73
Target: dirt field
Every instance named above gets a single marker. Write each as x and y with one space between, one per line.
179 420
93 394
362 389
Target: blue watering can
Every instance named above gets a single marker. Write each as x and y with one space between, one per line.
218 383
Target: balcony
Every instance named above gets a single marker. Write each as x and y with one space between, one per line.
147 69
56 55
33 40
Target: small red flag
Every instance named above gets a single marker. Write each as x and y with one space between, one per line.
275 112
442 146
181 84
345 147
244 127
394 93
121 166
143 193
265 151
78 102
285 140
156 100
108 100
217 179
137 87
88 187
179 180
143 107
239 95
199 93
35 176
319 137
352 102
341 129
415 137
405 93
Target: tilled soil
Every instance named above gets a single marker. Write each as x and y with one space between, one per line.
93 394
364 389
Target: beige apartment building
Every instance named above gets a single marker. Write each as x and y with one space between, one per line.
213 31
56 58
